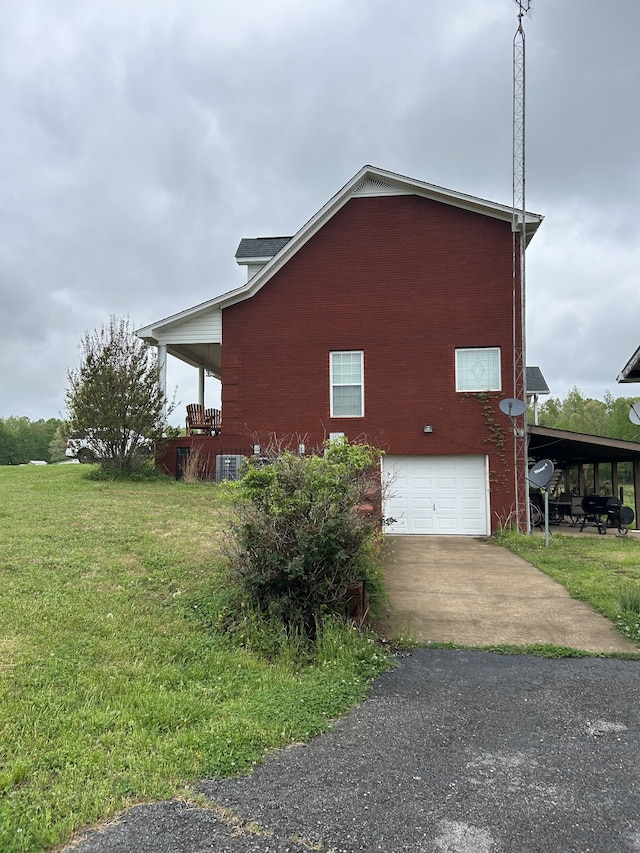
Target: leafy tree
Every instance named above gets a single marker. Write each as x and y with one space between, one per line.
8 454
301 537
57 446
114 397
42 432
608 417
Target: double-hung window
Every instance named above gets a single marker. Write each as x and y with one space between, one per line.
346 378
478 369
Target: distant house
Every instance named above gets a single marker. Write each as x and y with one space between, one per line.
389 317
536 386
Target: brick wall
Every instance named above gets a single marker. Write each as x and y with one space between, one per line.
406 280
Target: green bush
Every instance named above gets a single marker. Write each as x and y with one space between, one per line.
306 528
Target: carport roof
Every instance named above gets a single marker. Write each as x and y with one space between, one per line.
563 446
631 371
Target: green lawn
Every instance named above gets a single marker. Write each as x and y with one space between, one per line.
114 687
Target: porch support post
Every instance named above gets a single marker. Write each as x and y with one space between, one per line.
581 490
636 487
535 409
162 376
615 480
201 386
596 478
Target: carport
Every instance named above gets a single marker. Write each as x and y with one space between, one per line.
569 450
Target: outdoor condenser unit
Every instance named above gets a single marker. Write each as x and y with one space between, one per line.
228 467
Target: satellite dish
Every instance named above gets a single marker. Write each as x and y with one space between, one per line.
512 407
634 413
541 473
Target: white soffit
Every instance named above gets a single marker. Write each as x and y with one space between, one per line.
373 187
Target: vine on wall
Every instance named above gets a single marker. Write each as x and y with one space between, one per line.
497 436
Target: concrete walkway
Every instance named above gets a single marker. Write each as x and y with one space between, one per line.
455 589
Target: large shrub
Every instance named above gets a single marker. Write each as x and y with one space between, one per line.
114 397
306 529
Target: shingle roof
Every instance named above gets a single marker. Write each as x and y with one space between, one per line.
254 248
536 382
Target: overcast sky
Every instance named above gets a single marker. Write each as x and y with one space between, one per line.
139 141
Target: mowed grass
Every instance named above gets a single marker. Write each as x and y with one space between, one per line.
114 687
604 571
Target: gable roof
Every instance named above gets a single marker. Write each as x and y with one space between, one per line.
370 181
535 381
260 248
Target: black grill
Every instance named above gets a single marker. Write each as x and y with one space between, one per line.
606 511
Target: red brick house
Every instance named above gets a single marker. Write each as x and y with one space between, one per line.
388 317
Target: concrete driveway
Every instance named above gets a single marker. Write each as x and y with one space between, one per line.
455 589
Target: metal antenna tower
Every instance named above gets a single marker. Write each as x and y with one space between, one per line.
518 227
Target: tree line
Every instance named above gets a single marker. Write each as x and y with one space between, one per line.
23 440
608 417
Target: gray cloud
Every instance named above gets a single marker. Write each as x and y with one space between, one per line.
141 141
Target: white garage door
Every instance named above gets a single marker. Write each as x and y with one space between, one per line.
437 494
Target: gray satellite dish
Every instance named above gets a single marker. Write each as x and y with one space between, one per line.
541 473
634 413
512 407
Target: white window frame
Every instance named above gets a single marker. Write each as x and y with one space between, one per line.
497 386
333 385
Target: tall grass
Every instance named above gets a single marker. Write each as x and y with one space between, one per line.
115 684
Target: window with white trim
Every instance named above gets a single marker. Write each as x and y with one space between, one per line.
478 369
346 378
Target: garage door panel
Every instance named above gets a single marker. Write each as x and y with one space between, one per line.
446 484
471 501
421 483
422 525
422 503
447 504
448 526
471 483
437 494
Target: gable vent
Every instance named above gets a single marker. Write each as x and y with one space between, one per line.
373 186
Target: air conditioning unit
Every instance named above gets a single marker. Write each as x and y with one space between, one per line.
228 467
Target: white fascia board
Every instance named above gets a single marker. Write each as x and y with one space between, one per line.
253 260
298 240
152 332
452 197
391 184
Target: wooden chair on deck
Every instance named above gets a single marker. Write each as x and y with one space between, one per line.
213 417
196 419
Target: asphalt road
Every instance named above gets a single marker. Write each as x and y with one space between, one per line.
461 752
